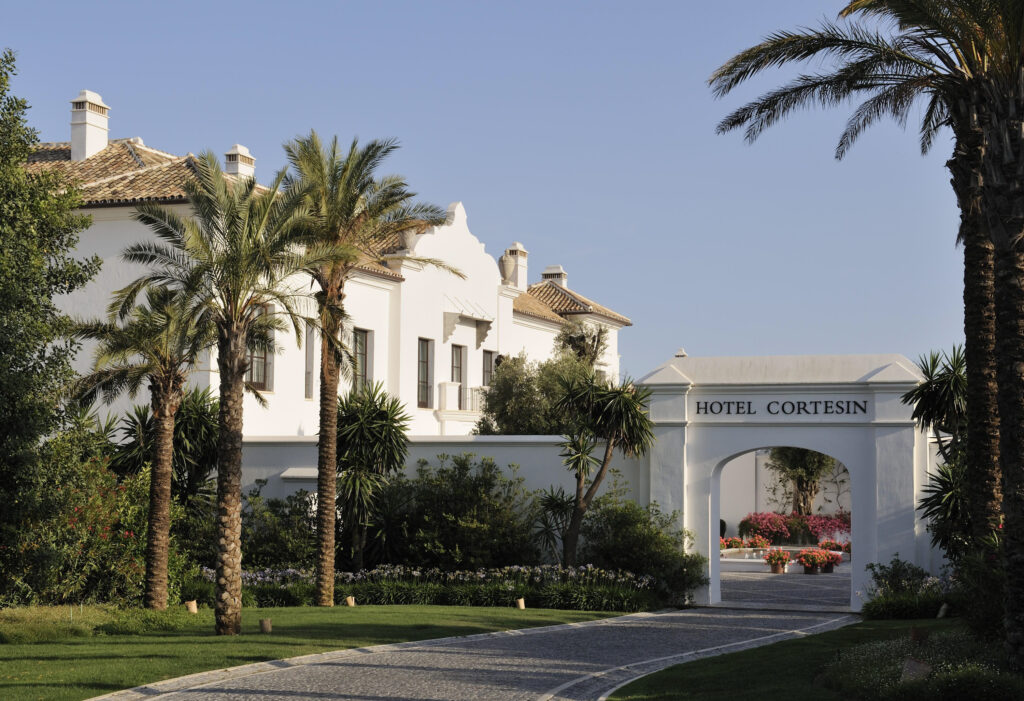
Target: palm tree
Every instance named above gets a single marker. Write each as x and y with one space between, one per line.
932 57
237 260
372 445
156 343
615 414
360 214
967 58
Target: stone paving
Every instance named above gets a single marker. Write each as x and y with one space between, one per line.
576 661
831 591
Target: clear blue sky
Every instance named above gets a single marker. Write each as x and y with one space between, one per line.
583 129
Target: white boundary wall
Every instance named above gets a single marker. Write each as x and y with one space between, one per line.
288 463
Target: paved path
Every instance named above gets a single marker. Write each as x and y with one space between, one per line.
831 591
576 661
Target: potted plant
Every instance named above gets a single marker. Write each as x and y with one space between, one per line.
833 545
834 558
812 559
777 559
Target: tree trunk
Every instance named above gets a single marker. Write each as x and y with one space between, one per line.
1003 197
984 493
571 539
359 547
327 467
228 603
165 402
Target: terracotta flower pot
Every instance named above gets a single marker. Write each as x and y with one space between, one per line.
778 568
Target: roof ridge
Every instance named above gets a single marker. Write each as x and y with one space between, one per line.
156 150
146 169
565 291
131 150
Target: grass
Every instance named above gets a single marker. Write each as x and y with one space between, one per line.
788 670
65 653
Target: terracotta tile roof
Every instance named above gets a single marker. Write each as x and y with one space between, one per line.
528 305
564 301
158 183
119 157
367 265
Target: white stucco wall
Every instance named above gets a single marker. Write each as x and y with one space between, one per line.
537 457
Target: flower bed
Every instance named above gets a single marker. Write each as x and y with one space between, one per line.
577 588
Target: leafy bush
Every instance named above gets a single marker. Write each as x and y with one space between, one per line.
278 532
622 535
767 524
902 590
979 588
461 514
86 543
794 528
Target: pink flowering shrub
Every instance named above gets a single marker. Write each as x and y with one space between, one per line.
766 524
776 557
779 528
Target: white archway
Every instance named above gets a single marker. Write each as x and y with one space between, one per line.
707 411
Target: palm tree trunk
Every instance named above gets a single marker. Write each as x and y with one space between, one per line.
984 493
228 603
158 536
1003 197
327 470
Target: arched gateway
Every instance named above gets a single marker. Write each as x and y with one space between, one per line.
709 410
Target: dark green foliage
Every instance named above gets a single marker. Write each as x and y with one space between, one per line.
904 606
462 514
940 402
945 505
522 396
38 231
86 542
980 589
902 590
372 446
278 533
962 668
195 445
622 535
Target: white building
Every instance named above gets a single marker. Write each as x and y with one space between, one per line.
430 337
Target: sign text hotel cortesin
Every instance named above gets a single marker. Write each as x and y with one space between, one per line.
782 407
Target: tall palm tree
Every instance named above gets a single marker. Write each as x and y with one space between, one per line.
967 58
359 213
158 344
924 61
238 259
615 414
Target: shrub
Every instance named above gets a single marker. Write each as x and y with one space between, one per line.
622 535
767 524
902 590
461 514
733 542
979 588
278 532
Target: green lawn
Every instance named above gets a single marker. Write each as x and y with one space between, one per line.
787 670
82 663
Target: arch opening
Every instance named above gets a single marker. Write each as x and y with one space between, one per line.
788 498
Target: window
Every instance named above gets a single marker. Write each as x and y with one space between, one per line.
310 360
360 343
423 379
258 375
488 368
458 365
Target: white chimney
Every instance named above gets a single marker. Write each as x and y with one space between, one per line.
517 255
238 161
556 274
88 125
